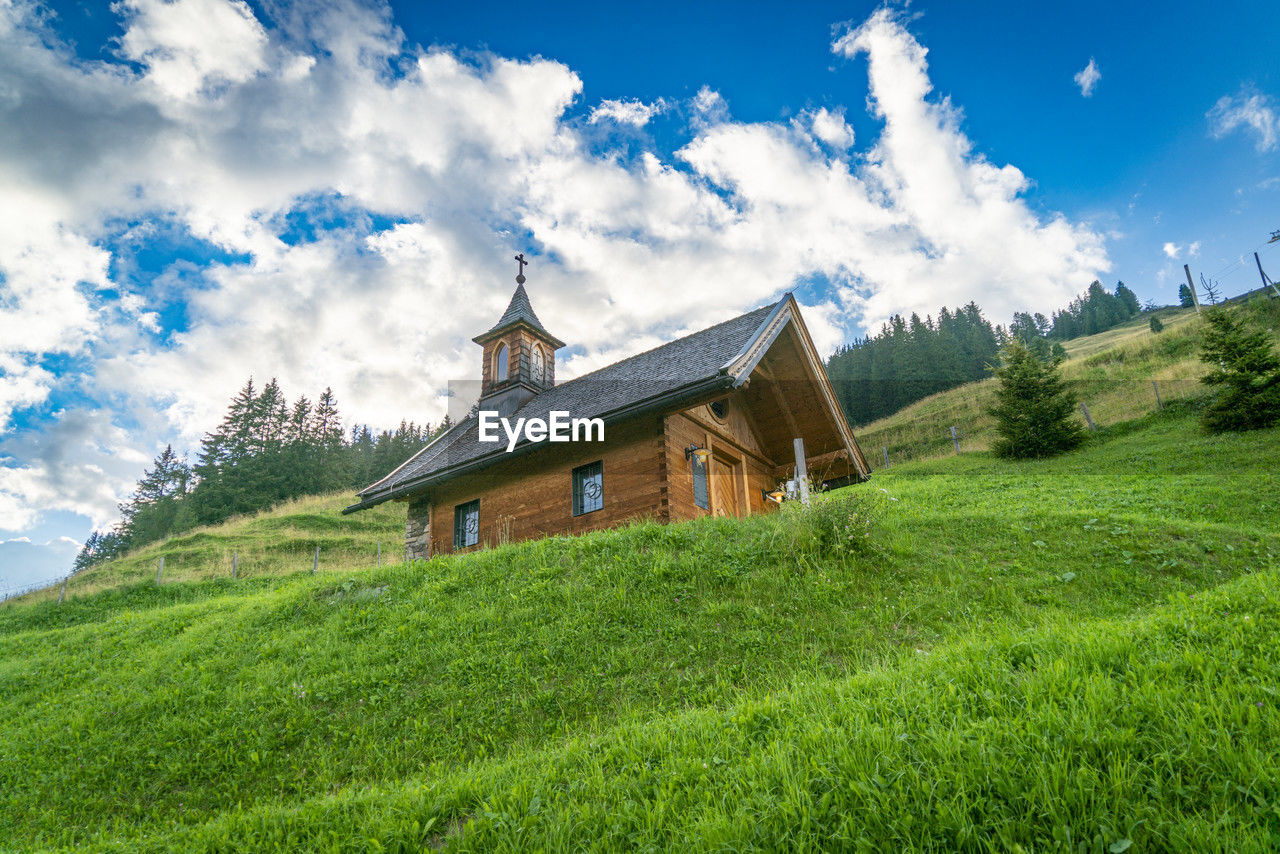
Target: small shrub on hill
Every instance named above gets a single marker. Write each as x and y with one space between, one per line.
837 523
1156 326
1033 407
1245 370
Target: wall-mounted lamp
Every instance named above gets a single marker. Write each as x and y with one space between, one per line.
696 451
776 496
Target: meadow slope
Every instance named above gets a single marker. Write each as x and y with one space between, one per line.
966 653
149 714
1112 372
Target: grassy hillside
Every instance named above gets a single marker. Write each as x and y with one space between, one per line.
449 691
965 653
1155 734
1112 372
279 541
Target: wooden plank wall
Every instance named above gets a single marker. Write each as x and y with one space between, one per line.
532 496
734 438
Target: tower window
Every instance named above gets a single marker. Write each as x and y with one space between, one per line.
500 363
537 364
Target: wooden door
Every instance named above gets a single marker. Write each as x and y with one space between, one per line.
725 475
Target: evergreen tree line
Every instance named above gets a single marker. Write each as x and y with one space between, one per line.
912 359
264 451
1092 312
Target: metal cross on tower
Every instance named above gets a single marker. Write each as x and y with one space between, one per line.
520 273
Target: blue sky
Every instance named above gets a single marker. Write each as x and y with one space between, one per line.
330 193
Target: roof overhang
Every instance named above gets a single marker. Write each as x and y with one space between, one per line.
499 331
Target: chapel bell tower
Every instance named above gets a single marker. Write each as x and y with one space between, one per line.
519 355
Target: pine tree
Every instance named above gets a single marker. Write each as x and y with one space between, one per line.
149 514
1033 408
1128 299
88 553
1244 369
1185 297
1156 325
300 421
326 424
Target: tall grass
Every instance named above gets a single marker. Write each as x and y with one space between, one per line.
142 710
1156 734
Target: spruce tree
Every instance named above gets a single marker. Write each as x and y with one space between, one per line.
1127 299
1185 298
1244 369
1033 408
1156 325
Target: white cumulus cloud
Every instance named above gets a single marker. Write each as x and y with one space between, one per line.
1088 77
635 113
1251 111
187 45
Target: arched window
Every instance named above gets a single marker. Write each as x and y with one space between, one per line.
500 364
538 364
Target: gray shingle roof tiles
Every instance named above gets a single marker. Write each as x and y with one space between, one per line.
518 310
647 376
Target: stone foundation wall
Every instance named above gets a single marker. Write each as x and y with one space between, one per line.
417 530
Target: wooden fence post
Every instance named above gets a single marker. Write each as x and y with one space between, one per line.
886 456
62 594
160 569
235 565
379 552
1159 402
1087 419
955 440
802 473
315 563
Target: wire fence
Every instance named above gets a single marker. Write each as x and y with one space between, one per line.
23 589
233 564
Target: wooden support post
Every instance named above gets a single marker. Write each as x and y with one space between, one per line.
1087 419
955 440
886 456
379 552
315 563
235 565
1186 268
1159 402
1265 280
62 594
160 569
802 471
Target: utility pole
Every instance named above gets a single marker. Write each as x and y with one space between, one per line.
1265 281
1186 268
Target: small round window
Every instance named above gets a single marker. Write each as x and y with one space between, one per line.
720 409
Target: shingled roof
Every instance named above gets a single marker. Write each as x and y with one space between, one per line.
519 311
717 357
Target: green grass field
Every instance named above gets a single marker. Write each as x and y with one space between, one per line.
1077 654
1112 372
